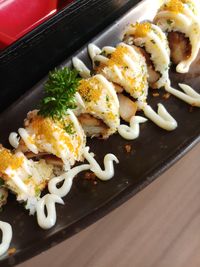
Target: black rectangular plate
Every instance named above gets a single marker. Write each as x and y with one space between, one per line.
152 153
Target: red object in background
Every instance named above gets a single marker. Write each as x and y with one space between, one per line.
17 17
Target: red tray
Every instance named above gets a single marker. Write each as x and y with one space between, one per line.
17 17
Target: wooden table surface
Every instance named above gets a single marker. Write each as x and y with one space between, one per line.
159 227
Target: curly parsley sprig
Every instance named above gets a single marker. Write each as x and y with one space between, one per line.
60 90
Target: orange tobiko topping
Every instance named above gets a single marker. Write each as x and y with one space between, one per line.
175 6
141 29
7 159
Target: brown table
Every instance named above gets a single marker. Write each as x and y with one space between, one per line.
159 227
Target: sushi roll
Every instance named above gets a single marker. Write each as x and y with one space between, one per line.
181 20
126 68
100 116
24 177
153 45
43 136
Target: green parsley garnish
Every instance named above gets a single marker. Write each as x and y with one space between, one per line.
103 53
69 129
37 191
60 92
169 21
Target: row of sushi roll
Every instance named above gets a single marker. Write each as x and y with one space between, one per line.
53 138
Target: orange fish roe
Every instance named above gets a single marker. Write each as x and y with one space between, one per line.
7 159
111 116
141 29
44 129
175 6
90 89
117 57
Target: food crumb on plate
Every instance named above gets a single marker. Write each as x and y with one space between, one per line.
11 251
90 176
166 96
156 94
128 148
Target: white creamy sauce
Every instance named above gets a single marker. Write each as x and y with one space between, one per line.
49 200
79 100
130 63
118 73
49 220
93 51
100 58
109 87
20 184
6 237
133 131
75 121
108 49
103 175
14 140
25 137
189 96
163 119
14 176
67 177
81 68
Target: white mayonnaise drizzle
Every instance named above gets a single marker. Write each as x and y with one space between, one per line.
14 139
101 59
67 177
131 132
109 87
49 220
189 96
163 119
79 100
20 184
81 68
108 49
103 175
75 121
15 176
25 137
6 237
93 51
